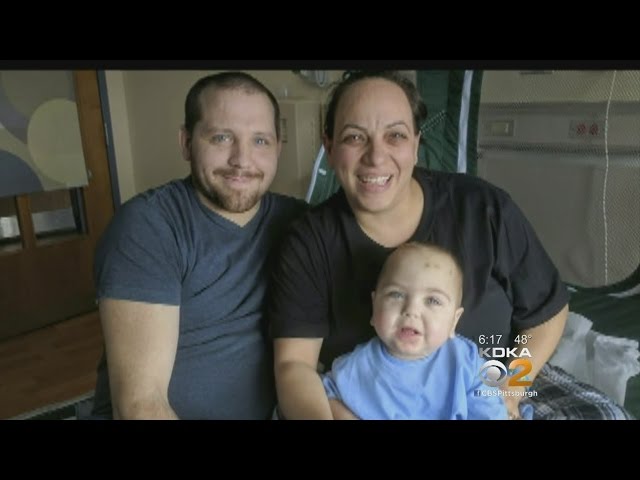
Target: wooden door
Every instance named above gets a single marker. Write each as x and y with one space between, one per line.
46 280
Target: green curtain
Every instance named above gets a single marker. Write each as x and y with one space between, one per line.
453 102
323 180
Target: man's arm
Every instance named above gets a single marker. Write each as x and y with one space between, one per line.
301 394
141 340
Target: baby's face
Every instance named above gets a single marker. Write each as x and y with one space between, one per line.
415 306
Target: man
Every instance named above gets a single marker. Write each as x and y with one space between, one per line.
181 271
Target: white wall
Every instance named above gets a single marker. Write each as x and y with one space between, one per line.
147 109
559 86
558 179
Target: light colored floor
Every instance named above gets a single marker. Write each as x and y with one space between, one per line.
50 365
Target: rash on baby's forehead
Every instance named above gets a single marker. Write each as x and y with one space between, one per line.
440 266
431 264
423 257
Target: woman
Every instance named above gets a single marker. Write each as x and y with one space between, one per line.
320 304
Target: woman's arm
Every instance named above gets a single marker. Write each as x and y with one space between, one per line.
301 394
542 341
535 286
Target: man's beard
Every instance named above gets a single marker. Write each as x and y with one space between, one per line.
231 201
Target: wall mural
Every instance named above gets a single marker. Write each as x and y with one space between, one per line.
40 144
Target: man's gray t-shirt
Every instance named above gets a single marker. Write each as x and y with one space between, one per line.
164 246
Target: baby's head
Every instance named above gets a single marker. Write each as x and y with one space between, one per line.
417 300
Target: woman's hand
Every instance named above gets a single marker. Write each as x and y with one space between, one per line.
512 398
340 411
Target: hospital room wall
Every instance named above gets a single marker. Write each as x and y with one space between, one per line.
504 86
583 207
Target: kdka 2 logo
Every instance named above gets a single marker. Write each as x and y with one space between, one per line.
494 373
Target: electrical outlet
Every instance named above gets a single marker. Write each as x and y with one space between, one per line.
584 129
501 128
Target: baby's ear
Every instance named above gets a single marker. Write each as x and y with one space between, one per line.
456 317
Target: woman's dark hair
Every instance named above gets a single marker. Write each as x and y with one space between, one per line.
418 107
225 80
